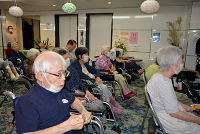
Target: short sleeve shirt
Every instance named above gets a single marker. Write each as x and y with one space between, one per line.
162 94
70 54
39 109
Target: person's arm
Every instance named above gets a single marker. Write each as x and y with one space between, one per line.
186 117
75 122
81 109
92 70
126 57
186 107
121 61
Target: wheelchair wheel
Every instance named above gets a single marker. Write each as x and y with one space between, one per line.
21 86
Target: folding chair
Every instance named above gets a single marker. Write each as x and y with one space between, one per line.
147 109
159 128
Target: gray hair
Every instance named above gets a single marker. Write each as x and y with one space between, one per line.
60 51
47 60
32 52
104 49
14 43
168 56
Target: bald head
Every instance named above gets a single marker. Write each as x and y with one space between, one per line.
47 60
42 45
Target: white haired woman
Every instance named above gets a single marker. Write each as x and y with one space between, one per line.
28 63
176 118
104 63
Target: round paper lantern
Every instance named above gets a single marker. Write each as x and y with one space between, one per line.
150 6
16 11
69 8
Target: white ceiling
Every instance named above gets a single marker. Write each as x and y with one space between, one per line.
47 5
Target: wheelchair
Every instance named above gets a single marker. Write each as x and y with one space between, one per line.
95 120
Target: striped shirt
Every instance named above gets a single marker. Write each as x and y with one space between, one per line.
162 94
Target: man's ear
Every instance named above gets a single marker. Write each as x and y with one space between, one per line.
80 56
40 76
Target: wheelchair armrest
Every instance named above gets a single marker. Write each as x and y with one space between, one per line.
107 77
77 94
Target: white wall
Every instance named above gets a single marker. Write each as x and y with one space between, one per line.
144 24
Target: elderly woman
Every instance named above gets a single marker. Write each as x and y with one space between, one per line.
86 71
17 57
45 108
75 85
103 63
8 65
176 118
28 63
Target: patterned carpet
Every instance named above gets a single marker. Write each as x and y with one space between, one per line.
129 121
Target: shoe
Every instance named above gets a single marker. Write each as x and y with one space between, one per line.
109 131
117 105
116 110
129 95
133 93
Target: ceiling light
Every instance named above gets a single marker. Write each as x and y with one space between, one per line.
69 7
54 5
109 2
15 10
150 6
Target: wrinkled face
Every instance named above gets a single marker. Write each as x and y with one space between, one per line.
106 53
71 47
65 56
15 48
55 80
178 67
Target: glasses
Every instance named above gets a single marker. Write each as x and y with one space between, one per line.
60 74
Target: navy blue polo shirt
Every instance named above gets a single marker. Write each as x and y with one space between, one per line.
39 109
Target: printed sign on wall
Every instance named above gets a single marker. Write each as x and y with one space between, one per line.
133 37
156 37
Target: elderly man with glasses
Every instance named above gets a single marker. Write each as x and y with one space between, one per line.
45 107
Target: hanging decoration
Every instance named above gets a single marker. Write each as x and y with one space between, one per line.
15 10
69 7
150 6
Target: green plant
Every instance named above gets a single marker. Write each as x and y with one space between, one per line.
121 45
174 32
46 43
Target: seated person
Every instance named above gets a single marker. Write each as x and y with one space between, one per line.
131 65
8 65
173 115
17 57
103 63
28 63
86 71
45 107
154 68
75 85
71 45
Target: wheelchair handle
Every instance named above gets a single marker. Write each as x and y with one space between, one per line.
10 94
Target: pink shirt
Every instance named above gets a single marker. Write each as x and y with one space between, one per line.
103 63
